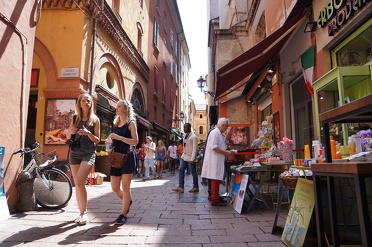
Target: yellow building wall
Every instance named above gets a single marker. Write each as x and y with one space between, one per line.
62 32
201 122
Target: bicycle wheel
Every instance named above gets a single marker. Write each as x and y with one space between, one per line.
53 190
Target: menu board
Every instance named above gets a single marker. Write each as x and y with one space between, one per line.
299 214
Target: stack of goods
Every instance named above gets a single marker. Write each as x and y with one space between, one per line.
365 139
286 149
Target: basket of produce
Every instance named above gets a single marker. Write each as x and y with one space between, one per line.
289 181
290 177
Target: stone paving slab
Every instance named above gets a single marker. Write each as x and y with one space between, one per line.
157 217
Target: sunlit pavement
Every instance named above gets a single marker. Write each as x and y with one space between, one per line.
157 217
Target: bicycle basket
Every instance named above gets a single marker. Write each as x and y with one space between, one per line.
42 157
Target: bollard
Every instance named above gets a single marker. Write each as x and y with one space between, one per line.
26 200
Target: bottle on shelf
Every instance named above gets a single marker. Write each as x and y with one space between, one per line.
358 145
351 144
316 148
333 148
307 151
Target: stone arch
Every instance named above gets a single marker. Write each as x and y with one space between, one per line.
111 60
47 60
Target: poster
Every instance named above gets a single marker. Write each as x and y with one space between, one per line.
236 135
238 186
57 120
4 210
299 214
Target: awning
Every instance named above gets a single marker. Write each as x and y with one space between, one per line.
144 122
256 57
177 134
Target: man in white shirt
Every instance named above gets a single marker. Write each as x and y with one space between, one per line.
149 157
172 153
214 160
190 151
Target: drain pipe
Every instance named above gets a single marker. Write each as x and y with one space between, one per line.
93 46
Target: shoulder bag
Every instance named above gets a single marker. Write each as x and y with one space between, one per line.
116 159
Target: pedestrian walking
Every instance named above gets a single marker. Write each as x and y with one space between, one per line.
172 154
124 137
190 151
141 160
84 133
149 157
214 160
160 152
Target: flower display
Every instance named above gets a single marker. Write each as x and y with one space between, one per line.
287 141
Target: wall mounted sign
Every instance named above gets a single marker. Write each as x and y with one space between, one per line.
69 72
337 13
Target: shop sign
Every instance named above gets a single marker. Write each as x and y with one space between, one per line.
337 13
70 72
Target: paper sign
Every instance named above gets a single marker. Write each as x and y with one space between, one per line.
299 214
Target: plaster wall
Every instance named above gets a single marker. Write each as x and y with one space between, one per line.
16 46
62 33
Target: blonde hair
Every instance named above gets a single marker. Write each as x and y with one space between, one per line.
92 117
129 109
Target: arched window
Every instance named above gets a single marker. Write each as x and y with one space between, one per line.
200 130
137 102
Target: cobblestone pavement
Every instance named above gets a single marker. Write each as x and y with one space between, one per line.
157 217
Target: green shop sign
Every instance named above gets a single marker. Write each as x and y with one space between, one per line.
337 13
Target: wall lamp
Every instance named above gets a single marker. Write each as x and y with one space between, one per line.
211 93
201 83
311 26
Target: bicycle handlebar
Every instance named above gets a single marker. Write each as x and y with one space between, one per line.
28 150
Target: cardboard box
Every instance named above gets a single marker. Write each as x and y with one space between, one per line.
97 178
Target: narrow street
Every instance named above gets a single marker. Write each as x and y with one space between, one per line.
157 217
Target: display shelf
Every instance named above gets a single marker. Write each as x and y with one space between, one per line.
358 111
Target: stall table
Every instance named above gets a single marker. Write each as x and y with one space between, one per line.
254 194
240 158
274 166
358 172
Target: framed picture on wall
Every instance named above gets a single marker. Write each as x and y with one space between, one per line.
237 137
58 117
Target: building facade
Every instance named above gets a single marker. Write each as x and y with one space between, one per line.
104 48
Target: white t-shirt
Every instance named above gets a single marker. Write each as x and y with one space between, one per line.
173 152
150 152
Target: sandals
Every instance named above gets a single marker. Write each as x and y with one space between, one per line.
82 219
120 220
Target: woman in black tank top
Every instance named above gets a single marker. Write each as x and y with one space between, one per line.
124 137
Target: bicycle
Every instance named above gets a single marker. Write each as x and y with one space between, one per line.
53 188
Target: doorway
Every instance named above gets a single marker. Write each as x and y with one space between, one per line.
303 115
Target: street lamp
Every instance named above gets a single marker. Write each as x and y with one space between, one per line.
201 83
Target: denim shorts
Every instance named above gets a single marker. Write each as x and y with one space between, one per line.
76 159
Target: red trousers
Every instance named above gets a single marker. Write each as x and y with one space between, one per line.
215 190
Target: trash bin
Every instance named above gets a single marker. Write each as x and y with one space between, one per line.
26 200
